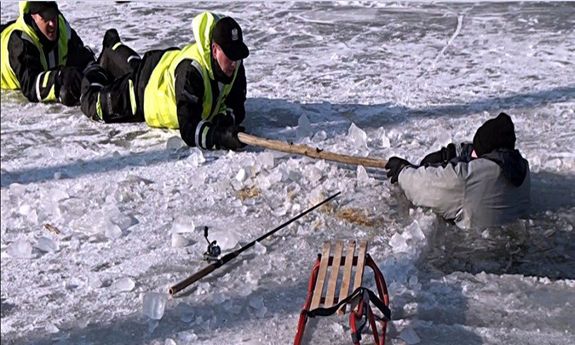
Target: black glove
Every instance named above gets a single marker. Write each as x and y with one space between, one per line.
225 119
395 165
440 157
70 81
227 137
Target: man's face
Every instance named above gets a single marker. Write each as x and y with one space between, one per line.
48 26
228 66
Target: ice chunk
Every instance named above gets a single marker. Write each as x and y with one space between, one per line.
415 232
252 279
227 238
257 303
219 298
152 325
281 210
275 177
263 182
357 136
410 309
186 312
154 305
179 241
124 284
319 136
294 175
183 224
17 190
385 142
187 337
175 143
313 174
196 157
170 341
241 175
57 194
74 283
303 127
409 336
553 164
20 249
443 138
398 243
94 282
266 159
112 231
30 213
260 248
362 174
411 241
117 217
52 328
46 244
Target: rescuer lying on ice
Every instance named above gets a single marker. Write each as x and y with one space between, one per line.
200 88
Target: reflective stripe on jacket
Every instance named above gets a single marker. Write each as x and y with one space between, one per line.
160 108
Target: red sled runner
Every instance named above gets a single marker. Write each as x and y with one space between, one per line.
324 301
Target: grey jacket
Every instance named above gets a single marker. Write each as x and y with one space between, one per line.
475 193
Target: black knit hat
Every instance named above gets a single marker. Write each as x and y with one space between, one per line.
228 35
495 134
46 9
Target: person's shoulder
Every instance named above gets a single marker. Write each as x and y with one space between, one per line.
191 67
482 167
18 39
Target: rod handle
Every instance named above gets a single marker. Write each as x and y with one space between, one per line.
192 279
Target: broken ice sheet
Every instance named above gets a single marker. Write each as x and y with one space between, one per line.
362 175
123 284
185 312
20 248
196 157
266 159
154 304
183 224
260 248
303 129
226 238
357 136
179 241
241 175
46 244
175 143
111 230
409 336
257 303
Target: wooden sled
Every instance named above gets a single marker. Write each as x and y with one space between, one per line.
324 298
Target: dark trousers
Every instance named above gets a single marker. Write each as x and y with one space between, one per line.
108 88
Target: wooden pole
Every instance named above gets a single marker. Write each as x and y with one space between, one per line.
310 151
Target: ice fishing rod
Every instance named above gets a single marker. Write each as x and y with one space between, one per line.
228 257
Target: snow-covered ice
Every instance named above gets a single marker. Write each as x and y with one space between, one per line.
97 221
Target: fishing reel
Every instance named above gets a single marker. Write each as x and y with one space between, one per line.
213 252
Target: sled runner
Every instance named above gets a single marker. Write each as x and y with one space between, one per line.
324 298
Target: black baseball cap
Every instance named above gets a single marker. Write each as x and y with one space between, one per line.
228 34
46 9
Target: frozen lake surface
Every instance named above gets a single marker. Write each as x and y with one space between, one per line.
98 220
